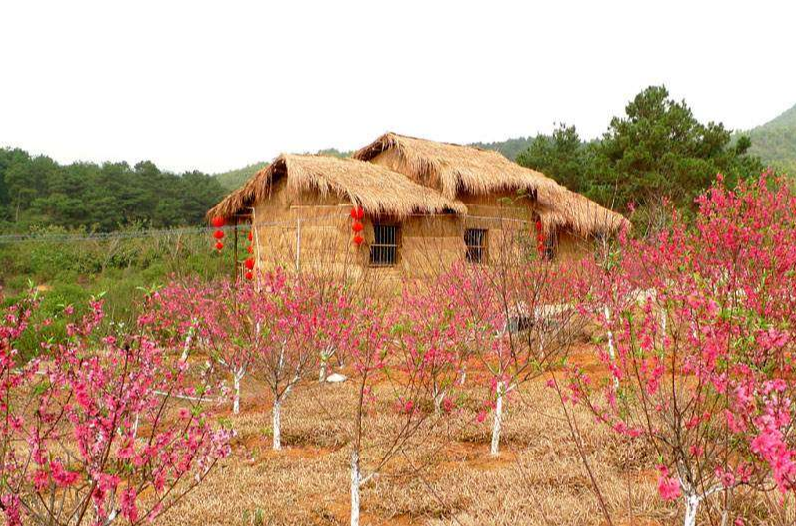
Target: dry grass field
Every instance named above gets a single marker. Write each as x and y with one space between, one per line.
445 477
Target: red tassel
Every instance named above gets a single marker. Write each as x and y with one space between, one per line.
217 221
358 239
218 234
357 227
251 236
219 245
249 263
249 275
250 249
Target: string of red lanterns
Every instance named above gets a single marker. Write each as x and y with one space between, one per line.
249 263
539 237
357 213
218 222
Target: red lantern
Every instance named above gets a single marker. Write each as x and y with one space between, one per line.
250 249
249 263
357 212
358 240
251 236
538 225
357 227
219 245
249 275
217 221
218 234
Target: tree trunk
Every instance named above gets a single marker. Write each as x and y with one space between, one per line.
188 341
611 348
277 424
439 396
356 482
497 422
323 372
691 505
611 351
236 378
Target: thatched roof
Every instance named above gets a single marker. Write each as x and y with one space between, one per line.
453 169
378 190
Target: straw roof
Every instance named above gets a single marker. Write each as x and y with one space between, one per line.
453 168
378 190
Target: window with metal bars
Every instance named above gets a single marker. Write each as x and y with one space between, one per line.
384 249
550 246
475 241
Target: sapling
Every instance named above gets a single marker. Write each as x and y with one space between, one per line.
222 314
383 352
517 323
288 330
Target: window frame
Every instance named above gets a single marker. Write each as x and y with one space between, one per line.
482 250
386 247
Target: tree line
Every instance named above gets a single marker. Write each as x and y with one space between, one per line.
36 190
657 152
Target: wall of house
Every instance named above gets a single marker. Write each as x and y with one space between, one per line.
318 228
308 231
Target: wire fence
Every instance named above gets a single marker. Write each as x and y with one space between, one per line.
54 237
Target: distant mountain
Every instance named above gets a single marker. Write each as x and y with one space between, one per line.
510 148
234 179
775 142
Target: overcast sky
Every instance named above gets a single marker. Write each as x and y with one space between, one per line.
217 85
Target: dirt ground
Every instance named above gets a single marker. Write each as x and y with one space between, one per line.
444 477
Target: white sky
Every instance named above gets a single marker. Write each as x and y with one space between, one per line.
217 85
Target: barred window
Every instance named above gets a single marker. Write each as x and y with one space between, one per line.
384 249
475 241
550 246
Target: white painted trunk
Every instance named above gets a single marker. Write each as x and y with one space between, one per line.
611 350
356 482
187 346
691 505
497 422
323 372
439 396
237 377
277 424
463 377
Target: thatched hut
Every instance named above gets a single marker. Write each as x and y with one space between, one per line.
492 187
426 204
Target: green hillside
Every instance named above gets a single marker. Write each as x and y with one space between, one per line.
234 179
510 148
775 141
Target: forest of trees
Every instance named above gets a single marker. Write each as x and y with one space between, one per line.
39 191
656 151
